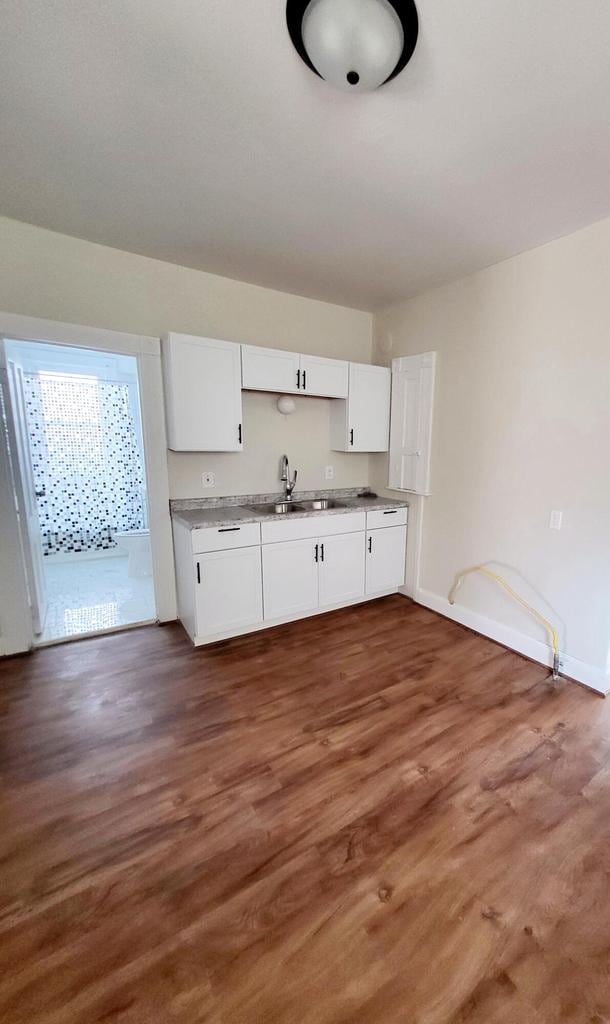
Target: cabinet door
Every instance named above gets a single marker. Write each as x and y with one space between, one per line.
341 568
228 590
270 369
362 423
369 408
290 578
385 559
202 379
325 377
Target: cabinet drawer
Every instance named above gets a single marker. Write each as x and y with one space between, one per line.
312 526
220 538
378 519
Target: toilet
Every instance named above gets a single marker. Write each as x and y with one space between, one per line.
136 544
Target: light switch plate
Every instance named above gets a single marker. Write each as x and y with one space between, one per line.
555 520
329 472
208 479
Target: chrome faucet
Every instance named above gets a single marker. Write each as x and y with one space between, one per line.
289 483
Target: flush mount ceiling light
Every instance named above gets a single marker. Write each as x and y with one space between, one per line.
356 45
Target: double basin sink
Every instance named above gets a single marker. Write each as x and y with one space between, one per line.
286 507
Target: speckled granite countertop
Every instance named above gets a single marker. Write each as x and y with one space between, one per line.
201 513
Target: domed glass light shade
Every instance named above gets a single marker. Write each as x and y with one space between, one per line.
355 45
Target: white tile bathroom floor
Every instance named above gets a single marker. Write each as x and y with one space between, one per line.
93 594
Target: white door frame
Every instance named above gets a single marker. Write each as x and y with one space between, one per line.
16 632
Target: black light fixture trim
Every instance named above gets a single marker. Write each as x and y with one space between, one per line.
405 9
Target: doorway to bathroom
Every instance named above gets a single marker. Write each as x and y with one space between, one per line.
74 430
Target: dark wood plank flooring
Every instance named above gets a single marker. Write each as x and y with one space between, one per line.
372 817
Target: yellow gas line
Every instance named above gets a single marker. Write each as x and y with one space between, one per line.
516 597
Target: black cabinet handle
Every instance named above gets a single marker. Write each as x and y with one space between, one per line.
198 573
229 529
321 552
239 433
304 379
298 379
351 436
370 545
316 555
391 512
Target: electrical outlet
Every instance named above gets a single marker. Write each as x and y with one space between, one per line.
555 520
208 479
329 472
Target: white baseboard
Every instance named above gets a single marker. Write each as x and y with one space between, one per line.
593 677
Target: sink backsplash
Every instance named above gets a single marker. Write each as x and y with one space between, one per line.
184 504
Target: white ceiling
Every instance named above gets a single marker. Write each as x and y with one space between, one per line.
189 130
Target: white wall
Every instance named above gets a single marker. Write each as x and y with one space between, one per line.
48 275
522 426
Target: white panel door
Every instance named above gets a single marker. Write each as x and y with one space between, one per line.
385 559
341 568
202 378
411 426
29 522
290 578
325 377
228 590
270 369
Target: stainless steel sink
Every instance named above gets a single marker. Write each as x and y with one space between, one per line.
278 508
319 504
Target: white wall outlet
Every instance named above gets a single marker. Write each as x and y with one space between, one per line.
329 472
208 479
555 520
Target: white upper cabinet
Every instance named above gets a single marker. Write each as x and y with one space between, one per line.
202 381
270 369
362 422
327 378
411 428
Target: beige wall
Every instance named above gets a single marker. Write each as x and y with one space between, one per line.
48 275
521 427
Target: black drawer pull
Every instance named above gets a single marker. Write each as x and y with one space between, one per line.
370 545
391 512
229 529
198 573
351 436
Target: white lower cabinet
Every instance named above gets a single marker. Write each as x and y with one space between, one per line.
228 590
233 579
290 578
301 575
385 558
341 568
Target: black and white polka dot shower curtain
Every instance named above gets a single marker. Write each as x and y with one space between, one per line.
87 463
